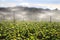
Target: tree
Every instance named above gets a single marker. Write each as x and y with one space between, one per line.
56 9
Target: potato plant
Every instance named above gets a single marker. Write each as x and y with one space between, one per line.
30 31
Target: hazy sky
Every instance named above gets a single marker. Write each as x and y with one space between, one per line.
31 3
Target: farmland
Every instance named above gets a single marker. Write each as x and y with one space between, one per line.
28 30
34 20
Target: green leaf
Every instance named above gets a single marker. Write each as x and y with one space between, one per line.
0 34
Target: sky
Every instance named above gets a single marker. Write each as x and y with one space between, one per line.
52 4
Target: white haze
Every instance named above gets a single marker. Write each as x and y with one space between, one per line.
21 14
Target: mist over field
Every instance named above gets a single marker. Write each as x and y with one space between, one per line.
29 14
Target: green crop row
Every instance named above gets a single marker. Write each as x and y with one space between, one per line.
30 31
